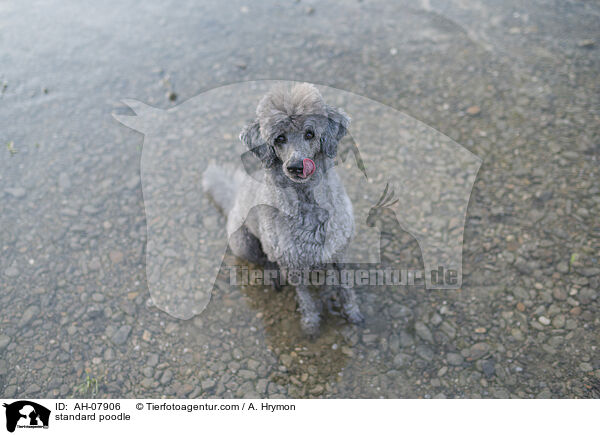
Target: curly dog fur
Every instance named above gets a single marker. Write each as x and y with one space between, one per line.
298 216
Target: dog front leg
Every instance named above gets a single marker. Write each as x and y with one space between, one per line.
309 310
349 302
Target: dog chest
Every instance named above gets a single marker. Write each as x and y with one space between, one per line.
310 237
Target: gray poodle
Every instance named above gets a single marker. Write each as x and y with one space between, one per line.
295 215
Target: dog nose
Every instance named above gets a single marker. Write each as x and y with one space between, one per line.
296 167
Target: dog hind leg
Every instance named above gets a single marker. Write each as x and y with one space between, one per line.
245 245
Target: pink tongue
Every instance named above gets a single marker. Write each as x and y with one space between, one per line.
308 167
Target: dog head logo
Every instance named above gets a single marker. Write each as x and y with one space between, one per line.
26 414
419 175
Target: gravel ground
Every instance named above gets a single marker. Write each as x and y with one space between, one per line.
515 84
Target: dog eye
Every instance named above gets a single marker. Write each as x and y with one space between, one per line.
280 139
309 135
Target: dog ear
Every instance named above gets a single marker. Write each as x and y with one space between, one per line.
337 127
251 137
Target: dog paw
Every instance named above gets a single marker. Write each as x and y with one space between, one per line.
310 326
354 316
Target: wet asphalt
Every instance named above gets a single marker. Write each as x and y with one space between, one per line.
515 84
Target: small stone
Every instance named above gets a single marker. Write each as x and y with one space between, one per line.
98 297
253 364
497 211
473 110
587 295
120 337
448 329
399 360
185 390
520 306
517 334
172 96
29 314
166 377
488 368
589 271
585 367
109 354
247 374
405 339
436 319
261 386
455 359
478 350
575 311
4 341
11 391
310 10
509 256
544 320
16 192
152 360
32 389
559 294
369 338
146 336
207 384
94 264
286 360
423 331
501 393
172 328
571 324
90 209
559 321
544 394
347 351
480 330
116 256
12 272
586 43
425 352
317 390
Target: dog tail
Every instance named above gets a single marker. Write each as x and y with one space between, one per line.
220 183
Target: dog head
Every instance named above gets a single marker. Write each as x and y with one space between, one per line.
295 130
